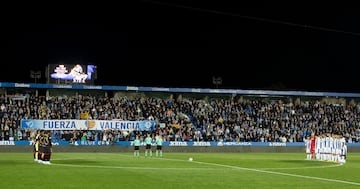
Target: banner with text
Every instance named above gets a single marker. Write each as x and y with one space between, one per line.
71 124
167 143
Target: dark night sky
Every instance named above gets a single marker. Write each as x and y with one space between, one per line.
185 44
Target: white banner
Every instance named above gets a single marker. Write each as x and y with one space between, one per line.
72 124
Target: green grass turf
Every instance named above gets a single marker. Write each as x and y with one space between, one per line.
207 170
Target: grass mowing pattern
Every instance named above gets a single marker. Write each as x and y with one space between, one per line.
207 170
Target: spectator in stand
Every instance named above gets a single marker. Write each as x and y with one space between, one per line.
256 119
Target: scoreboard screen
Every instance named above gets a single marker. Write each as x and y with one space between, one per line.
71 73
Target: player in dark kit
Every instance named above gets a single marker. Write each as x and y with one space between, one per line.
41 145
47 147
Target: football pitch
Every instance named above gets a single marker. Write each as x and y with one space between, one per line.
174 170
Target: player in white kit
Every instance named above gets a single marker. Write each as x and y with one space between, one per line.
307 148
343 150
318 147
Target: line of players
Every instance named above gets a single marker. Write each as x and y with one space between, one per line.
148 143
42 147
326 147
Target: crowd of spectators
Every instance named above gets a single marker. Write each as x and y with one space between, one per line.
254 119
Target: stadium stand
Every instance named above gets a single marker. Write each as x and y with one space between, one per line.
182 116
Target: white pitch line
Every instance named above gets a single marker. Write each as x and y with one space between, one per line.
142 168
272 168
265 168
221 165
279 173
294 168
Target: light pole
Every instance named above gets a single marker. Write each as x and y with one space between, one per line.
35 75
217 81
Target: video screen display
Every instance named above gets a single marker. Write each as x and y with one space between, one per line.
72 73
